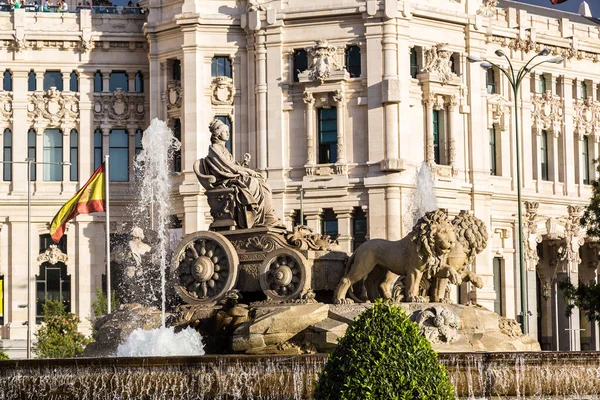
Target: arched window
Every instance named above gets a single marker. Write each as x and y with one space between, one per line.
97 148
7 81
53 79
139 82
221 66
53 152
74 82
31 82
490 80
119 155
7 154
74 155
118 79
98 82
227 121
52 281
353 65
31 152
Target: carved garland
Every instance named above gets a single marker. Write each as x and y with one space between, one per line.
547 114
52 255
53 109
528 45
587 118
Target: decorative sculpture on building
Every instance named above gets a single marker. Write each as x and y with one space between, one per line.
324 61
438 59
438 324
530 234
547 113
242 194
488 8
222 91
174 94
119 107
5 109
53 255
53 109
587 118
423 252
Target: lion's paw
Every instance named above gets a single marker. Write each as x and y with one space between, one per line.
417 299
343 301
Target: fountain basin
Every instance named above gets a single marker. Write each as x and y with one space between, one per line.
535 375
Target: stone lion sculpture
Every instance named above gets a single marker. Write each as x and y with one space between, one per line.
423 251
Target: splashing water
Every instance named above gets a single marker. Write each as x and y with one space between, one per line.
423 198
162 342
153 168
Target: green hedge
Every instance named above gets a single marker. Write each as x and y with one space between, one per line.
383 356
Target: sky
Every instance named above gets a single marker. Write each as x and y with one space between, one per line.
570 5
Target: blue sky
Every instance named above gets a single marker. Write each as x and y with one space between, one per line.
570 5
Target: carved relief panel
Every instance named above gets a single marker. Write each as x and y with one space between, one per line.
587 118
5 110
547 114
498 109
53 109
119 108
174 95
222 91
324 65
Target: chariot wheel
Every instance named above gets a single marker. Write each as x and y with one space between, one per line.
205 265
283 274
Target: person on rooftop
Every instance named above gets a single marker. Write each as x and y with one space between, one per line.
63 7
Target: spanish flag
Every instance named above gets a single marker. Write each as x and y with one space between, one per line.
90 198
555 2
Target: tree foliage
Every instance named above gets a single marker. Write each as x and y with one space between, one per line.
58 336
585 297
3 355
100 305
383 356
590 219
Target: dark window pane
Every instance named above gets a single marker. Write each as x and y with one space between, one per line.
31 82
177 154
497 271
542 84
436 136
7 154
585 159
359 227
97 82
544 155
176 70
73 152
227 121
97 148
221 66
493 151
74 82
353 65
329 225
7 81
53 152
139 82
490 81
118 79
414 66
53 79
300 62
119 155
31 150
327 135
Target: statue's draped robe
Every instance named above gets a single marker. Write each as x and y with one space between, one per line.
252 195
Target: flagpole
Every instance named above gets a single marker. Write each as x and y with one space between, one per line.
106 195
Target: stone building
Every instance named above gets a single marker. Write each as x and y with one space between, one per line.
338 104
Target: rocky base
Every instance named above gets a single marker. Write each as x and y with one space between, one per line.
308 328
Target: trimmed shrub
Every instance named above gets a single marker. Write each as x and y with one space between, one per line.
383 356
3 355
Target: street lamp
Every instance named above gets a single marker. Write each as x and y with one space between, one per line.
30 162
515 77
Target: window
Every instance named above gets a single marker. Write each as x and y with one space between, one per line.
353 61
327 135
542 84
138 165
52 283
296 221
300 63
585 160
1 300
436 136
493 168
31 152
176 71
53 152
497 271
414 64
97 148
177 153
7 154
119 155
73 155
118 79
138 141
490 80
359 228
139 82
227 121
329 223
544 155
583 90
31 82
7 81
74 82
221 66
53 79
453 63
98 82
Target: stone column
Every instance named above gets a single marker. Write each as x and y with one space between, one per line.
554 167
309 100
105 140
39 156
86 125
429 153
313 219
393 213
19 131
568 163
39 80
131 81
391 89
453 129
131 131
106 80
66 77
340 100
66 131
344 218
261 100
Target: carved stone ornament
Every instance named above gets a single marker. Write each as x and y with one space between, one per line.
20 42
438 324
498 112
530 234
324 61
438 60
509 327
222 91
174 94
255 5
86 45
303 238
257 243
488 8
587 118
119 107
53 109
529 44
547 114
6 112
52 255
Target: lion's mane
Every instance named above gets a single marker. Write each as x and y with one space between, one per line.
424 236
471 233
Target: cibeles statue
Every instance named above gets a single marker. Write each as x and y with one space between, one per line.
237 195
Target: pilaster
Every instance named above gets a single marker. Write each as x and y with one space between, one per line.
344 218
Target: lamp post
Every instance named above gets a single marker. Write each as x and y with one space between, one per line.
515 77
30 162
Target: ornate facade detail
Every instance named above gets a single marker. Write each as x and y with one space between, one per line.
509 327
6 112
587 118
257 243
86 45
435 101
531 237
438 60
174 94
53 109
303 238
438 324
222 91
499 109
119 107
308 98
52 255
529 45
324 61
547 114
488 8
255 5
20 42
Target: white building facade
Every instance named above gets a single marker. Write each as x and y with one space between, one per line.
338 104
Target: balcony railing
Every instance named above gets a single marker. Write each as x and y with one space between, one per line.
115 10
